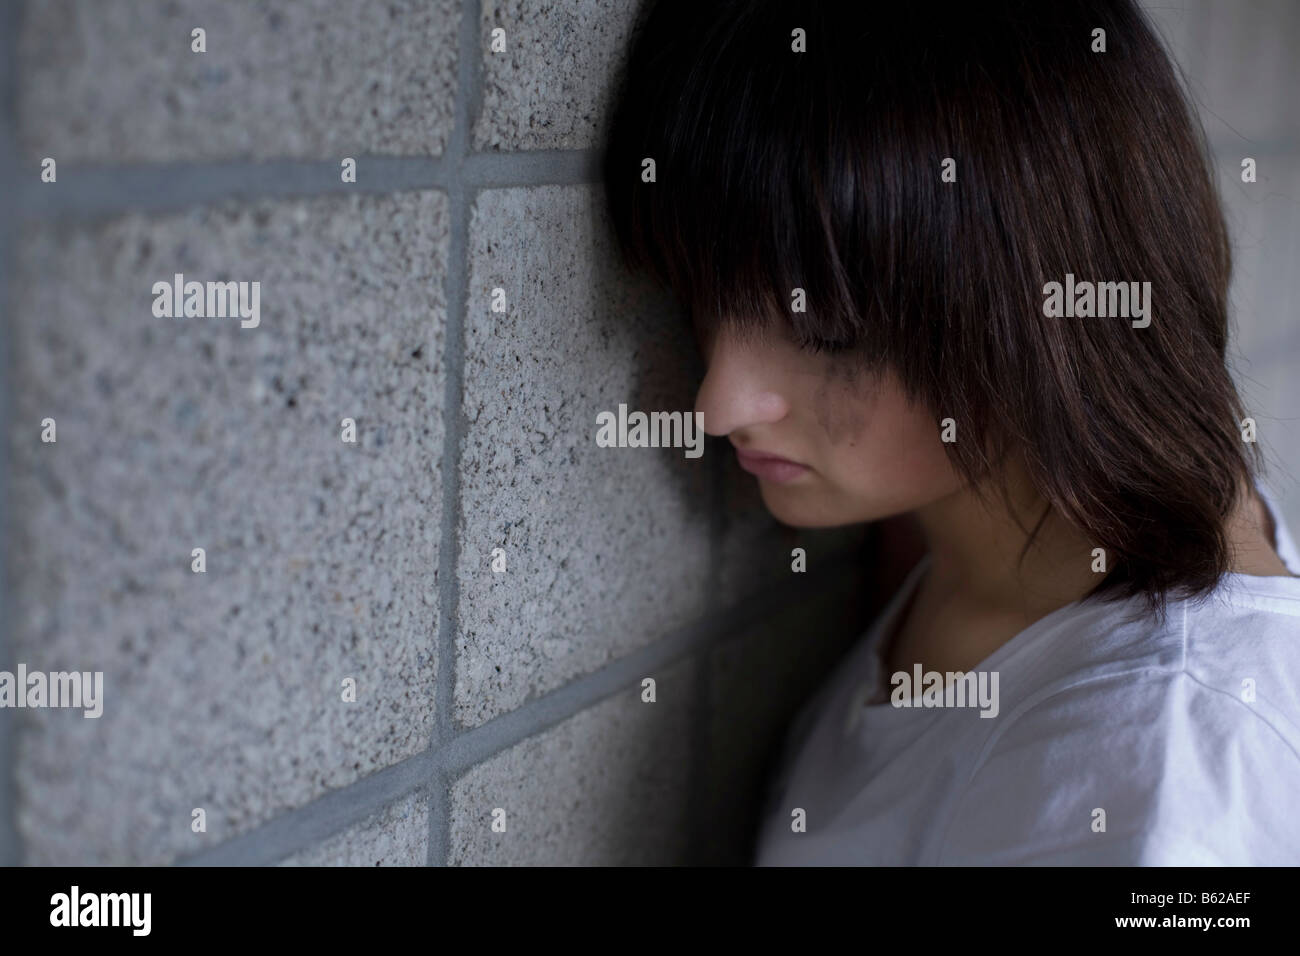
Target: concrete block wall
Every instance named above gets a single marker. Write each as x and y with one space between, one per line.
1239 60
326 560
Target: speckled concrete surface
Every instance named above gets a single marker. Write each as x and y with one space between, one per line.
223 689
607 787
114 81
606 549
552 87
398 835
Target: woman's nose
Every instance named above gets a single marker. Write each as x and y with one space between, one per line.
740 388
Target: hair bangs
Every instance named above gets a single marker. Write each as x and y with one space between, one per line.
761 212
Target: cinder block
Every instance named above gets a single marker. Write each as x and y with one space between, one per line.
760 677
1172 23
607 787
115 81
223 689
605 549
398 835
552 86
1240 58
1272 389
1242 71
1244 211
1264 217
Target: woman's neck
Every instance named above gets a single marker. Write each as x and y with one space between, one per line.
976 546
977 592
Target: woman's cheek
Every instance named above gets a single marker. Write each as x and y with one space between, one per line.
844 401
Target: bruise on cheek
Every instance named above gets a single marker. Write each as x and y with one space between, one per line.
843 400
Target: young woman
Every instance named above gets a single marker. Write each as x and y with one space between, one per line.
967 263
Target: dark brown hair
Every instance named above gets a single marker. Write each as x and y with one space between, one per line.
820 170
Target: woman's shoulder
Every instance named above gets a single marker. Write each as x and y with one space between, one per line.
1176 743
1240 642
1232 657
1149 741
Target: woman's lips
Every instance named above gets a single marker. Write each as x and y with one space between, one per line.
770 467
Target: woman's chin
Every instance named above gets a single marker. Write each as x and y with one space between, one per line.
796 510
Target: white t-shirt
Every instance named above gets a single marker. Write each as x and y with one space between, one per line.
1114 743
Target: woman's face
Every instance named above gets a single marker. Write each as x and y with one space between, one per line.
861 451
